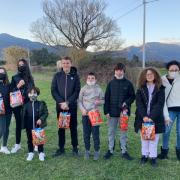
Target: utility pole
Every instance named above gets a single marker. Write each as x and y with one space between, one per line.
144 36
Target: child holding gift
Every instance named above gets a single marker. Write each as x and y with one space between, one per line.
90 98
35 113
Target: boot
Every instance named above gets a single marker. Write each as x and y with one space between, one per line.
178 153
163 154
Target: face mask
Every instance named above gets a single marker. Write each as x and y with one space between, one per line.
2 76
33 97
91 83
173 75
22 68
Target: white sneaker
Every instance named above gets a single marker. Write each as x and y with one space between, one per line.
36 148
30 156
4 150
41 156
16 148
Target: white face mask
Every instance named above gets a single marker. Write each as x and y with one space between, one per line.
91 83
173 75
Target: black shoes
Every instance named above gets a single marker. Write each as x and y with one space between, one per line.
59 152
108 155
153 162
127 156
163 154
75 151
144 160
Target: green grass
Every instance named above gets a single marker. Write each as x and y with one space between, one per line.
15 166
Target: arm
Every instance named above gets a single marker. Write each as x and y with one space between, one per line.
80 100
131 95
107 100
100 101
44 111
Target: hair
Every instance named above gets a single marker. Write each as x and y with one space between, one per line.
120 66
142 78
91 74
36 89
6 81
66 58
27 77
58 65
173 62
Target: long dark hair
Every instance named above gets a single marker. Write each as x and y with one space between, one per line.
6 81
27 74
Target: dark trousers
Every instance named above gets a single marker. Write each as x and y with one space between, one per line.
73 130
87 130
18 117
6 133
30 144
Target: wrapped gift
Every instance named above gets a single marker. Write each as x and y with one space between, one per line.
38 136
95 117
148 131
16 99
123 122
64 120
2 107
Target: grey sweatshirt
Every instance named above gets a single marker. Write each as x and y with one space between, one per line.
88 95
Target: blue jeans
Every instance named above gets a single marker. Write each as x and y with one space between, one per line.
174 116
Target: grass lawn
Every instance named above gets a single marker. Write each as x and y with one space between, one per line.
15 166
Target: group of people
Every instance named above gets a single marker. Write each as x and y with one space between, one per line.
157 102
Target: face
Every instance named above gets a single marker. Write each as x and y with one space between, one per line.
91 78
21 63
2 71
150 76
119 73
66 65
173 71
33 95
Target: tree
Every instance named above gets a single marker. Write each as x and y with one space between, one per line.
78 23
13 54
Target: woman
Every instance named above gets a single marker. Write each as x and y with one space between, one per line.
150 99
22 81
5 112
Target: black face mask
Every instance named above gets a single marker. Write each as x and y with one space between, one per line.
2 76
22 69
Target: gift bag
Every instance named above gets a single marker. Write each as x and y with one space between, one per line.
38 136
148 131
16 99
64 120
2 107
123 122
95 118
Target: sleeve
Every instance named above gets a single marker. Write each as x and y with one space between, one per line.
73 98
101 96
54 91
165 111
44 111
80 100
13 85
131 95
107 100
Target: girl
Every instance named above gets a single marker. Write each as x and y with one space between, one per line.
21 81
34 114
150 99
5 116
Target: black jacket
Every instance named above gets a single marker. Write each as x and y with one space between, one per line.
5 91
40 112
118 91
14 82
156 108
66 88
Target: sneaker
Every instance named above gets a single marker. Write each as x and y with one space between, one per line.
30 156
4 150
36 148
75 152
127 156
41 156
59 152
16 148
86 155
96 155
153 162
108 155
144 160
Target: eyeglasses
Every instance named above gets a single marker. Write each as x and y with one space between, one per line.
174 70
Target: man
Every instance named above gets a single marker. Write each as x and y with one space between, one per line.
119 96
171 82
65 90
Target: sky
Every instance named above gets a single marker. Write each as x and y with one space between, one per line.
162 19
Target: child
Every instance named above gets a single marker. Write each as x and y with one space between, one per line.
91 96
150 99
5 110
39 111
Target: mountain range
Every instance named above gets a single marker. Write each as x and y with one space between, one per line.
154 50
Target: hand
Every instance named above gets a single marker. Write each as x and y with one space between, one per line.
108 116
84 112
150 120
39 122
64 106
146 119
168 122
20 84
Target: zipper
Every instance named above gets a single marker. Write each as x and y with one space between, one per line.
66 89
33 113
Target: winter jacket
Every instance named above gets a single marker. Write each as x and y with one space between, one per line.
66 88
174 97
5 91
24 89
118 91
88 95
40 112
156 108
